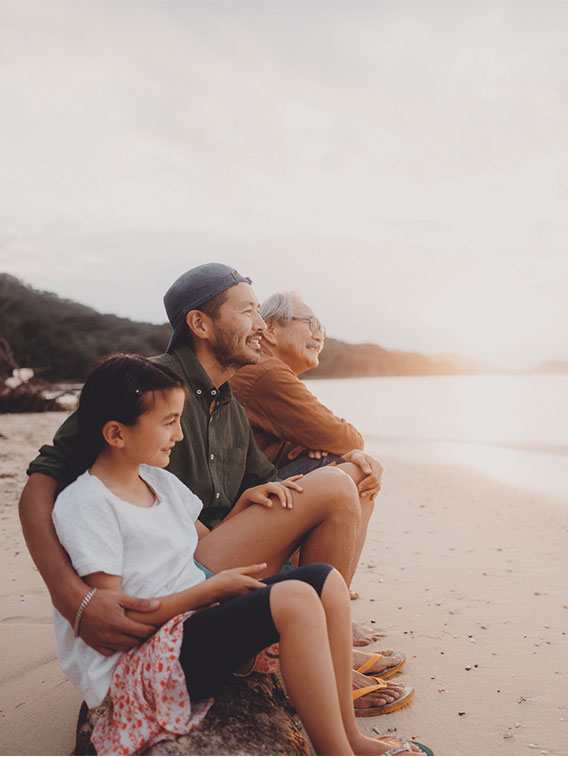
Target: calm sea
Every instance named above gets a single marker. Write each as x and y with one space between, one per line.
513 427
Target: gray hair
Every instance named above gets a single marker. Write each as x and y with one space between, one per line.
279 307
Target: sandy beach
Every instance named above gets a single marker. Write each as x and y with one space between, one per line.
464 575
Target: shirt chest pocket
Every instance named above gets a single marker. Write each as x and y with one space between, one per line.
234 464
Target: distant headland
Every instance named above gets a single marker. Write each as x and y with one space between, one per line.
63 340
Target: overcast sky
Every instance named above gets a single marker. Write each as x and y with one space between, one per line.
403 164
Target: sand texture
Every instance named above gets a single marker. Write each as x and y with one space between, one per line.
466 576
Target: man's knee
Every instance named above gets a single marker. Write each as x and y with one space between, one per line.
340 492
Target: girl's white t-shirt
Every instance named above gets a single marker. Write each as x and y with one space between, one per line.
150 548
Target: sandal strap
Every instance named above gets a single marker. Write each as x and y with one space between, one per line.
358 693
404 746
368 664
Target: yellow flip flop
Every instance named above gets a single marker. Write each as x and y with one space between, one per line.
366 712
387 672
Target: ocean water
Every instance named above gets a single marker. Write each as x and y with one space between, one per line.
512 427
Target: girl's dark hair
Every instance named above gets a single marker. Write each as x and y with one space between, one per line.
120 389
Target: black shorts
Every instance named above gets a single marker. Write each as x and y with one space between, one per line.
220 639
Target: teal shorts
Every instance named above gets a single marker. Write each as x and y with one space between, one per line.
209 573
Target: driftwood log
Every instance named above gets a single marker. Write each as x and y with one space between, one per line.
251 716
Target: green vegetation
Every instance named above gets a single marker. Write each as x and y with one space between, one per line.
62 340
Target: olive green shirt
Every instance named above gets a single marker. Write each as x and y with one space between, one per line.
218 458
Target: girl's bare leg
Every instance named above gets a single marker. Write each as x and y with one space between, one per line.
306 664
335 601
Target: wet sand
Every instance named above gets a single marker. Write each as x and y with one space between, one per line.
466 576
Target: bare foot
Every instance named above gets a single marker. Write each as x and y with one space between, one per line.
383 666
387 695
354 594
363 636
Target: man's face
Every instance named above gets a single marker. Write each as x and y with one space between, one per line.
238 328
298 346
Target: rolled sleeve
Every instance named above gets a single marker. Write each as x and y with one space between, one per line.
65 458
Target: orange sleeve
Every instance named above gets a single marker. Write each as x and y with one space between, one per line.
282 405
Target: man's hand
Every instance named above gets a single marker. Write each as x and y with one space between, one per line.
315 454
259 495
234 582
105 626
371 485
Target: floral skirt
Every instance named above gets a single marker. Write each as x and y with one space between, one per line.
148 700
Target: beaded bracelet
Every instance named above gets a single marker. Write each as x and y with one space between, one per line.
90 594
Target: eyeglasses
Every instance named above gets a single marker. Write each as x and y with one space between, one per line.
316 326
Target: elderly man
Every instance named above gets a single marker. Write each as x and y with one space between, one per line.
291 426
216 329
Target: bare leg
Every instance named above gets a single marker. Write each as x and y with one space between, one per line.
335 601
323 522
366 504
315 657
306 665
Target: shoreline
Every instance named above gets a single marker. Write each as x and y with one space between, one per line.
533 470
459 571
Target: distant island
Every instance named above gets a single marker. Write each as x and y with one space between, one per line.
551 366
63 340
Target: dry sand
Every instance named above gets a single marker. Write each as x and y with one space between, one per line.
466 576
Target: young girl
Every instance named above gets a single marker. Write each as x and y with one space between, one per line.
127 524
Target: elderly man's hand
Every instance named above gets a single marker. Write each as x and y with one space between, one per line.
370 486
317 454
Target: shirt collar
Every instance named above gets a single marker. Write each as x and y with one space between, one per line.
198 379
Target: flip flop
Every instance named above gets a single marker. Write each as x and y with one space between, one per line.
387 672
383 709
401 745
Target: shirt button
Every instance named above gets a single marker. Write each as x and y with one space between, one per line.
212 456
213 392
198 391
217 495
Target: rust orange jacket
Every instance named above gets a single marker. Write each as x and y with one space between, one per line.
285 415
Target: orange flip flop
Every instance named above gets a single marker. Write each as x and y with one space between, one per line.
367 712
387 672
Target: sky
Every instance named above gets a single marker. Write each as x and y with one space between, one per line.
404 165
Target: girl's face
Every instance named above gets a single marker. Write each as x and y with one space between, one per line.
156 431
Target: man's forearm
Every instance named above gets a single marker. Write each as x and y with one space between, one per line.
36 504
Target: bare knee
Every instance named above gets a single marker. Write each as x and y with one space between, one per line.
335 585
341 493
290 600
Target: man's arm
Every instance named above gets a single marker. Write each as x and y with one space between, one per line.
282 405
104 625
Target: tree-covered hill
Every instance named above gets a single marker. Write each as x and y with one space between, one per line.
343 360
63 340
